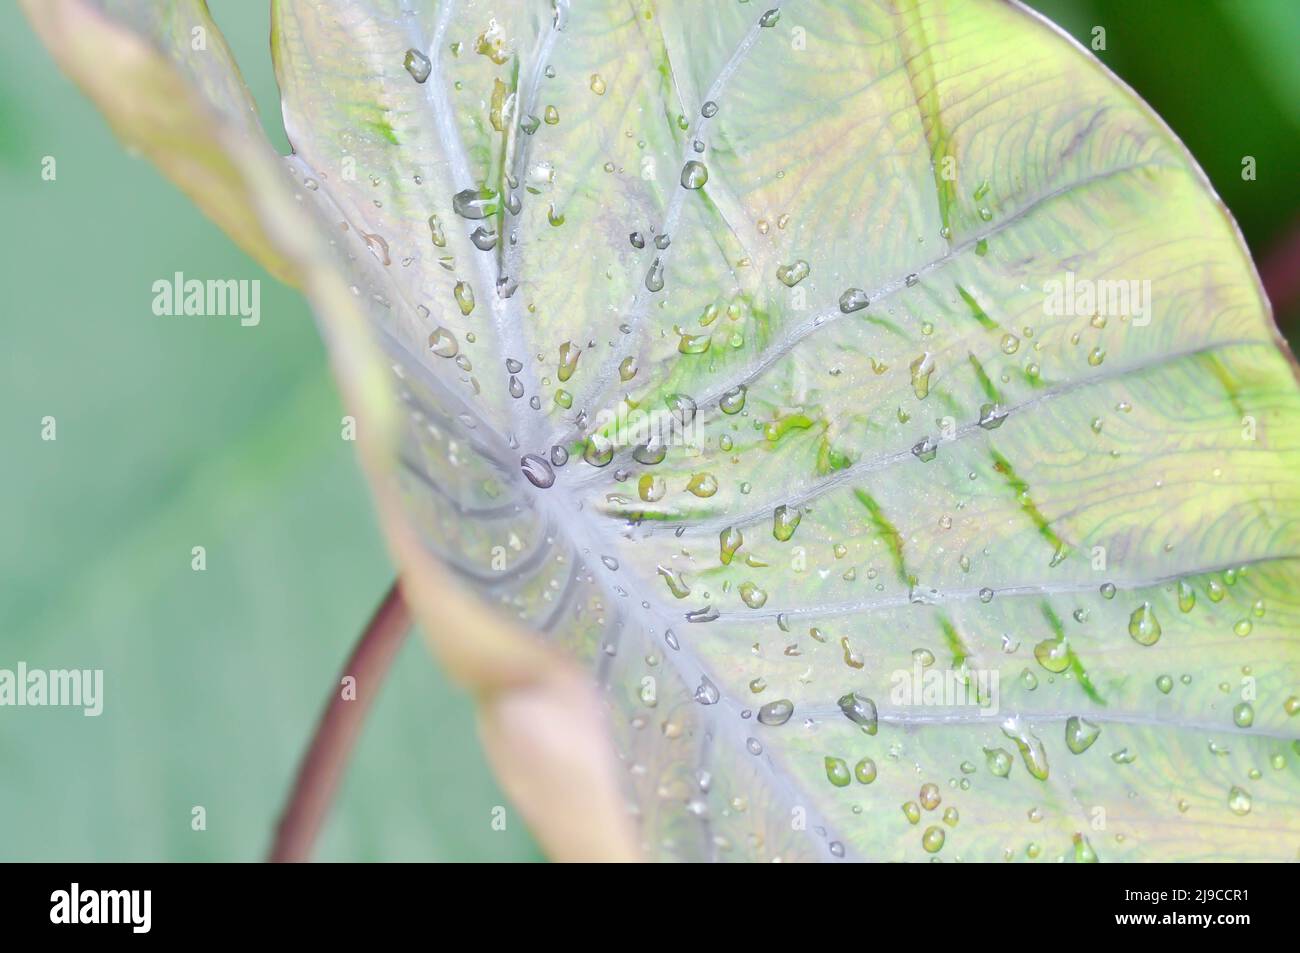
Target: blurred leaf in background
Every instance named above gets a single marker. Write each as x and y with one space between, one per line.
175 432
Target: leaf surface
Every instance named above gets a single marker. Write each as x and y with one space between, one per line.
889 567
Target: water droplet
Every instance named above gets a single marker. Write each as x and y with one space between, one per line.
729 540
443 343
694 343
538 470
853 299
597 84
791 275
752 595
464 296
932 840
1032 751
675 582
991 416
1186 596
922 368
569 354
1053 655
707 693
484 238
1165 683
682 407
776 713
1080 734
785 520
651 489
703 485
861 711
709 109
436 233
1239 801
598 451
865 771
733 401
999 761
1243 715
837 772
1083 852
418 65
654 278
474 203
929 796
770 18
651 452
1143 626
926 450
694 174
378 247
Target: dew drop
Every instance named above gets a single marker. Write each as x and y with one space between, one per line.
865 771
861 711
418 65
932 840
474 203
538 470
694 174
837 772
853 299
776 713
1143 626
1080 734
790 275
443 343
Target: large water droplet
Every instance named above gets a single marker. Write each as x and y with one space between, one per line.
694 174
853 299
707 693
785 520
1080 734
922 368
654 278
1143 626
1032 751
861 711
1239 801
790 275
538 470
443 343
837 772
474 203
776 713
418 65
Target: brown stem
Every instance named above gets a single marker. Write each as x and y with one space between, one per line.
336 733
1279 270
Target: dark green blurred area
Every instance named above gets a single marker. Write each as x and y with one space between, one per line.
177 432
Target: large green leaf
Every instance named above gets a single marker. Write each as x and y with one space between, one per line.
681 207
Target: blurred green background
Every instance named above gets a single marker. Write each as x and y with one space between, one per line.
174 433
